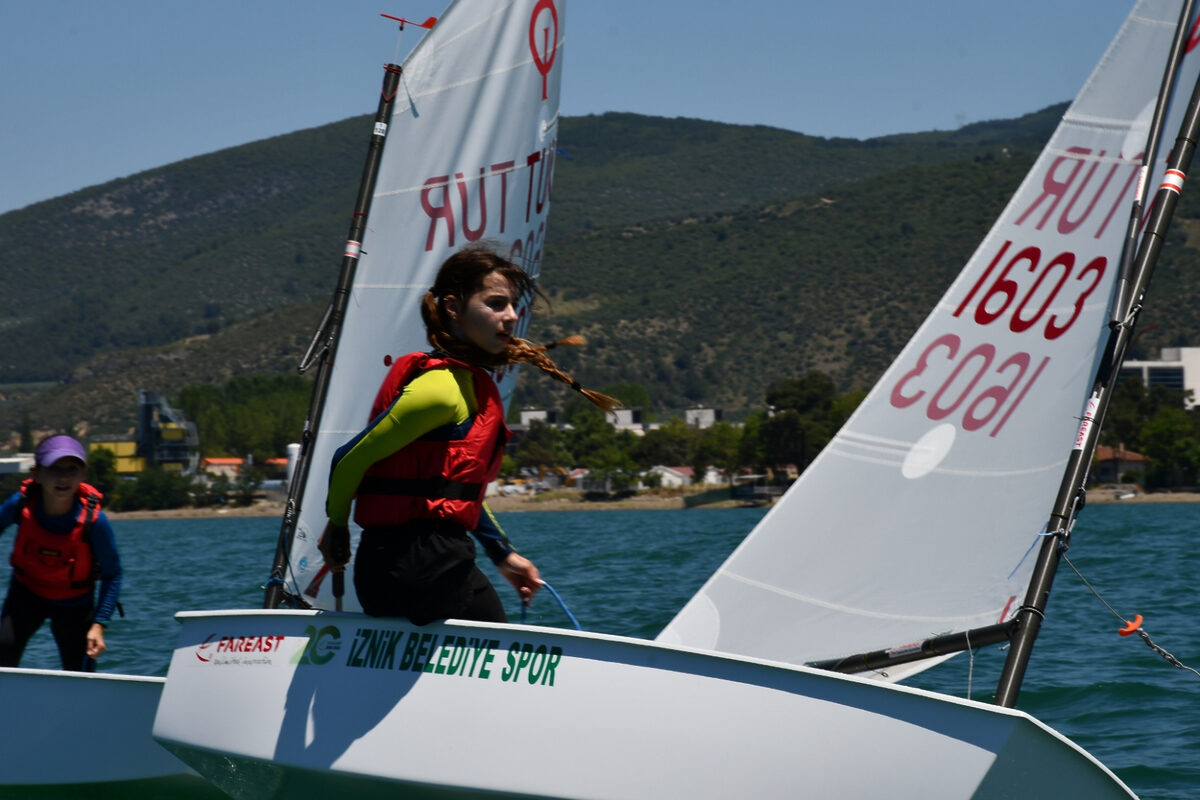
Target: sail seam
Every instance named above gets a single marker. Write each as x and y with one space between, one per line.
1102 123
979 618
968 473
1158 23
868 440
449 182
470 29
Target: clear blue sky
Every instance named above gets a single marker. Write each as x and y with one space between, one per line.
92 91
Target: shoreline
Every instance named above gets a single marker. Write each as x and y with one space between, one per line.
560 501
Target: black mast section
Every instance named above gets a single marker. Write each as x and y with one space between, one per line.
1071 492
325 340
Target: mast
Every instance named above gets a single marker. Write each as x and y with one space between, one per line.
324 343
1125 313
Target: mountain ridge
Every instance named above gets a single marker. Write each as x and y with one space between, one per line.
823 253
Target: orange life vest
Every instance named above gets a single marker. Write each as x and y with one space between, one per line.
443 474
52 565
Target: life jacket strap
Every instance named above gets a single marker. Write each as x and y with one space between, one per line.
438 488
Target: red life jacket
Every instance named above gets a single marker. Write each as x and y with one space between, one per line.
56 566
443 474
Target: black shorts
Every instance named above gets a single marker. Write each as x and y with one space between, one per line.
423 570
24 612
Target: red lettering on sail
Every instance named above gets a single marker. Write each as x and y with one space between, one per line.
1082 189
528 252
1065 224
545 49
966 383
1053 187
443 211
472 234
1124 193
1087 280
502 170
1026 288
464 210
531 160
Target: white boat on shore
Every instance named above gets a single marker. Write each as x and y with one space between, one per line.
931 524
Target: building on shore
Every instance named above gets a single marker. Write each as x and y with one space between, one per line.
1177 368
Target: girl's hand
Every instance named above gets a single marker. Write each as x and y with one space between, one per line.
522 574
95 641
334 545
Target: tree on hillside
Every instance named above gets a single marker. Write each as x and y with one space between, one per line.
670 445
631 395
717 446
803 422
750 451
155 488
541 446
252 415
787 438
811 394
1128 411
246 485
597 445
843 406
1169 441
102 473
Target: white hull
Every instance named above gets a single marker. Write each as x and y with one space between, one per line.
301 703
81 730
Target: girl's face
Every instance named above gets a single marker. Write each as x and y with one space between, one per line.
488 317
60 481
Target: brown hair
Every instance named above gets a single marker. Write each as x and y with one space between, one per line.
461 275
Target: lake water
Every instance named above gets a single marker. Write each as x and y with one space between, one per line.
628 572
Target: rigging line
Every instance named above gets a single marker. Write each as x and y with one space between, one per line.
1092 588
970 664
1145 637
561 603
1036 542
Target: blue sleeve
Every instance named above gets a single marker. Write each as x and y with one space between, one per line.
104 551
491 536
8 511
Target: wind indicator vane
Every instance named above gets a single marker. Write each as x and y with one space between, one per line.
427 24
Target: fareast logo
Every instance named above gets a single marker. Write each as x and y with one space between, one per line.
204 650
238 649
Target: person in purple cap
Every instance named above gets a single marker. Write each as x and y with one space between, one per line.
64 544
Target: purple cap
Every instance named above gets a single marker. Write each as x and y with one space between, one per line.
56 447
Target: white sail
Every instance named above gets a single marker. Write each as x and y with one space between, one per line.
469 158
922 516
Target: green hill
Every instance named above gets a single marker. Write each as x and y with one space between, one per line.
703 261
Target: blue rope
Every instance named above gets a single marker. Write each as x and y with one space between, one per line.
556 596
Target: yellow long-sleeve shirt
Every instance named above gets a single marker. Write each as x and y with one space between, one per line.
432 399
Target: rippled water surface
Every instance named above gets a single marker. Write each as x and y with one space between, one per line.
628 572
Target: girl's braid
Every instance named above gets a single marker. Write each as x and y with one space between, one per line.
520 350
523 350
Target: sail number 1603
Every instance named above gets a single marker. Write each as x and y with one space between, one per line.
973 386
1029 304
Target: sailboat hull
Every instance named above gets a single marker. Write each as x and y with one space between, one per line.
85 734
301 703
